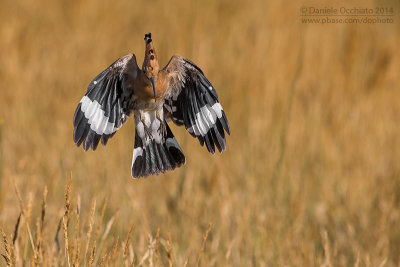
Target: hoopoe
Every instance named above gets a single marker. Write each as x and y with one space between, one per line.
179 92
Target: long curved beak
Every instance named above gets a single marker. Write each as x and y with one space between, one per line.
154 88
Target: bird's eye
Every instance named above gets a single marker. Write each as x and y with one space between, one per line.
151 57
151 51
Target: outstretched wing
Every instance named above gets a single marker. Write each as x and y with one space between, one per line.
106 104
192 101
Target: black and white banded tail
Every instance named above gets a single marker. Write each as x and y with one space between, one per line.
155 154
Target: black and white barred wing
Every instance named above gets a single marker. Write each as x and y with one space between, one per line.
105 106
192 101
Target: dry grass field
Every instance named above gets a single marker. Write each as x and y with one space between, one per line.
311 174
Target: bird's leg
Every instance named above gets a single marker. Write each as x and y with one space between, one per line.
162 130
147 132
146 129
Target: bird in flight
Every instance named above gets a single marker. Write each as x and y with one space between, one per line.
179 92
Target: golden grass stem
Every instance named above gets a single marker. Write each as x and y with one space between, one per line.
92 254
99 224
108 227
327 250
13 255
113 251
16 228
77 233
128 238
64 224
383 263
169 250
25 217
36 255
90 228
97 232
203 243
68 196
357 263
110 223
7 255
158 244
56 239
43 213
65 218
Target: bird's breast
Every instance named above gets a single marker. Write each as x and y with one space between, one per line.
148 105
144 95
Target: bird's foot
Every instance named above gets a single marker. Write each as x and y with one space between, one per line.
162 130
147 131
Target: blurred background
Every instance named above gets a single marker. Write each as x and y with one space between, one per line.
310 175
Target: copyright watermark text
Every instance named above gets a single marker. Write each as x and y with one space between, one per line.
343 14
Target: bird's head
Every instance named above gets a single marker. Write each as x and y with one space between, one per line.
150 63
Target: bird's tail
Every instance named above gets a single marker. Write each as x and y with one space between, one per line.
156 153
